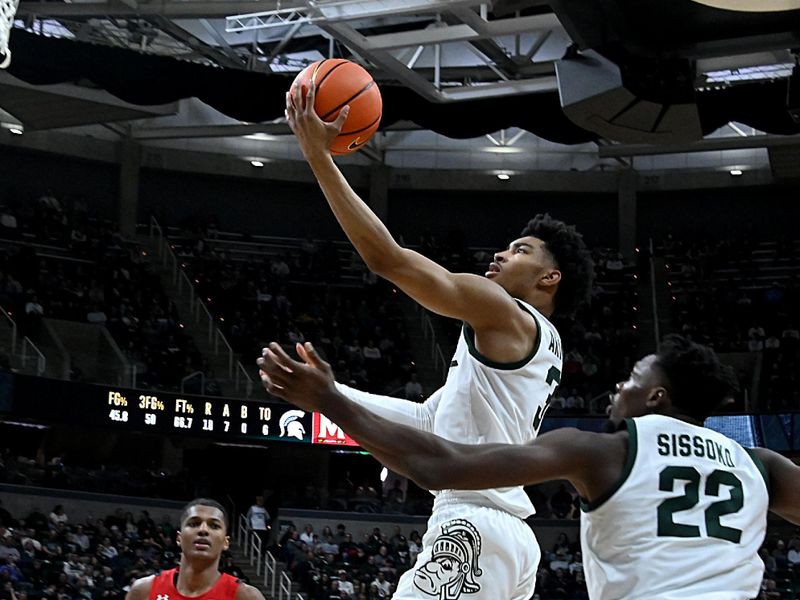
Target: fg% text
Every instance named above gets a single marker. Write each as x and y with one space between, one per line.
117 400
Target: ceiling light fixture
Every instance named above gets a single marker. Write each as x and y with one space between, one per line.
257 163
752 5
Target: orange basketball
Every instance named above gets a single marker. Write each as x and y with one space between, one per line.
340 82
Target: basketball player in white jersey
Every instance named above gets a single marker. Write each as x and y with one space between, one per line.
671 510
506 365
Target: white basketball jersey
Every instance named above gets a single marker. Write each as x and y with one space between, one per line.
684 522
487 402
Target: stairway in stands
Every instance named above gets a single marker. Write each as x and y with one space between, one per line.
290 590
426 341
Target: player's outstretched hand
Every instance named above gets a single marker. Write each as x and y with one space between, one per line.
314 135
306 384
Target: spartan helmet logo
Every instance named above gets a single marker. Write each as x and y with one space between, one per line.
291 426
453 566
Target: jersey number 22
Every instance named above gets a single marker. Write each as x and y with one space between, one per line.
667 527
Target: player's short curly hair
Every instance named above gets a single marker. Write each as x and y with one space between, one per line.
205 502
572 258
697 381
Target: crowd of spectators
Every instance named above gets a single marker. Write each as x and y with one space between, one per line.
781 555
601 341
363 496
49 556
331 565
297 293
561 575
741 296
58 261
58 222
59 472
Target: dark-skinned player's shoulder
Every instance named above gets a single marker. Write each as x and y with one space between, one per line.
248 592
140 590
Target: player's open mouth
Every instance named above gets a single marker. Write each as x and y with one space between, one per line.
494 268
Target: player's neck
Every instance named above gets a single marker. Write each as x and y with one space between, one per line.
676 414
197 579
542 302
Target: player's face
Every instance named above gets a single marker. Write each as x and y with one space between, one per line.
519 267
203 533
633 395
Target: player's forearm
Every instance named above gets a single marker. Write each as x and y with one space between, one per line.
429 460
404 412
403 449
364 229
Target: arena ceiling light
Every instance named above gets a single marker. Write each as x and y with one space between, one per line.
748 74
753 5
15 128
262 137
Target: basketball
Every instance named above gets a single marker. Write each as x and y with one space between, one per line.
339 83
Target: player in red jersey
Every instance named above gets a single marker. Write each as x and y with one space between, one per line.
202 538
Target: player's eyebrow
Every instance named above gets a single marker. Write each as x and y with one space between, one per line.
515 245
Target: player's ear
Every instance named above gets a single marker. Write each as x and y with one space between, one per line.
227 542
551 277
658 397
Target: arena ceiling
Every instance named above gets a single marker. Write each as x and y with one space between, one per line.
639 77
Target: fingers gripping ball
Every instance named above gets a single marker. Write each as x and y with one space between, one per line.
339 83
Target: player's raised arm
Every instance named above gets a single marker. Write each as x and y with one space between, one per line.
588 460
784 484
466 297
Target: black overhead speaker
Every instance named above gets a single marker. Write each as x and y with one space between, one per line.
639 101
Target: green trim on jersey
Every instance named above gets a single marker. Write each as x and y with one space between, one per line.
759 465
633 445
469 337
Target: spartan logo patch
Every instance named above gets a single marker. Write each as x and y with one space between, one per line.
291 426
453 566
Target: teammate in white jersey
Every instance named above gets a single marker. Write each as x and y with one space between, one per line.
506 366
671 510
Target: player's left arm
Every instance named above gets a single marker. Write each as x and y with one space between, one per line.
433 462
248 592
566 453
784 484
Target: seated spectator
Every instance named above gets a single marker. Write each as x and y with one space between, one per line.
79 538
380 588
395 497
58 515
793 556
346 586
329 546
10 571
